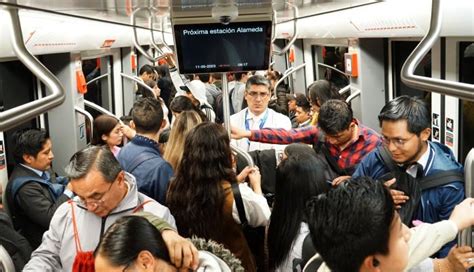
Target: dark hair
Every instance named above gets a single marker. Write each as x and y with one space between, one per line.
321 91
299 148
127 237
302 101
162 70
410 108
351 222
335 116
204 77
103 125
257 80
238 75
182 103
148 69
126 119
97 157
298 178
143 91
28 142
147 115
164 136
217 76
196 197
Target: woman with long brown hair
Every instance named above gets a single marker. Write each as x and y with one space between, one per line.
200 196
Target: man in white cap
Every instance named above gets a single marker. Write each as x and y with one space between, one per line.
196 91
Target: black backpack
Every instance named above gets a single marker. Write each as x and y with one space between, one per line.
413 187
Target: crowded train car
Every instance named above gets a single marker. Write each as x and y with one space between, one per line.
236 135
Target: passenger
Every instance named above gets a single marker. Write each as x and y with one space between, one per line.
319 92
183 103
196 91
127 131
231 80
299 177
340 140
107 131
237 93
33 192
208 209
211 89
406 129
257 115
355 227
133 243
14 243
141 156
167 91
144 92
292 109
105 193
186 121
278 102
302 111
146 72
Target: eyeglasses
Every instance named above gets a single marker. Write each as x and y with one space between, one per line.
397 142
95 202
254 95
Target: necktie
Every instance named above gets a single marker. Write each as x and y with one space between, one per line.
45 175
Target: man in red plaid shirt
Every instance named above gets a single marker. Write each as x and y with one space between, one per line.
340 140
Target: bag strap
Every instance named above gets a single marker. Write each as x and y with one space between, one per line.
74 225
307 252
387 159
53 188
440 178
142 157
239 203
332 163
140 206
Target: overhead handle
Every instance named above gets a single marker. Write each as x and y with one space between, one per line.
446 87
20 114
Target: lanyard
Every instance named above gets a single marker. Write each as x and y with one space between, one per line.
262 121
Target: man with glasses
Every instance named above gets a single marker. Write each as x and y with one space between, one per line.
104 193
406 129
340 140
257 115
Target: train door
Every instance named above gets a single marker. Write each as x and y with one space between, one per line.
465 68
18 86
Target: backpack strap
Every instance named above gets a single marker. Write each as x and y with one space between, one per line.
313 264
239 203
54 189
140 206
74 225
387 159
307 252
142 157
332 162
440 178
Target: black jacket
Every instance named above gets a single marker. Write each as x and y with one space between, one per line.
33 207
16 245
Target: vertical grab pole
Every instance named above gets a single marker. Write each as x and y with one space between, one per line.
225 103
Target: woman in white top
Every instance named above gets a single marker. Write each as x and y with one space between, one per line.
299 177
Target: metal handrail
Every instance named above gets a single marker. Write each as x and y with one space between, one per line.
447 87
334 68
345 89
353 95
274 17
135 36
295 31
151 22
97 78
20 114
100 109
163 34
137 80
465 238
6 260
287 73
244 154
88 117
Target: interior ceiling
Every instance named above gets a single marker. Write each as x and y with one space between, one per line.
118 11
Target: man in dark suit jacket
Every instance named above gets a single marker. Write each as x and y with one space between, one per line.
33 194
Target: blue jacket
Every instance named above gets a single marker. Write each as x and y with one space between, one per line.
436 203
141 158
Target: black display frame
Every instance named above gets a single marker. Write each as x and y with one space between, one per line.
185 68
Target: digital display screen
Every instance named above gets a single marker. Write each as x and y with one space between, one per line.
209 48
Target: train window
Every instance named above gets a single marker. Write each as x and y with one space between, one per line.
100 88
400 52
17 87
466 75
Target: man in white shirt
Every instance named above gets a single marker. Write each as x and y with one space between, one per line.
257 115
